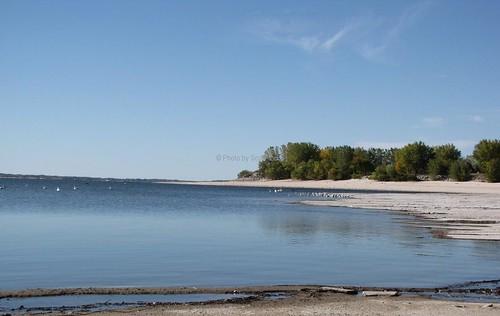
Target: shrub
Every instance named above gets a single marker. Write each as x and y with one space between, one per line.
295 153
412 159
446 153
460 170
444 156
492 170
485 151
435 169
299 172
245 174
387 173
273 169
473 163
380 174
342 157
361 164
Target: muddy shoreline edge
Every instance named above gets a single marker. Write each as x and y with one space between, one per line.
469 287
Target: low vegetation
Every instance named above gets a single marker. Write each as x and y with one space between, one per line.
307 161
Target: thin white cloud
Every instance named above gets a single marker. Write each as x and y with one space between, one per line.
383 38
432 122
369 37
330 43
277 31
476 118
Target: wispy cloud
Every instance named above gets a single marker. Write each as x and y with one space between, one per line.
289 33
476 118
431 122
330 43
367 36
378 43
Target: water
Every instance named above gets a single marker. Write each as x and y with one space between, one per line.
107 234
104 302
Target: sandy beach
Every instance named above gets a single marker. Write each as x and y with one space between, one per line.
461 210
364 184
313 303
297 300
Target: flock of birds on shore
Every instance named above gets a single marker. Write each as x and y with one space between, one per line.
327 195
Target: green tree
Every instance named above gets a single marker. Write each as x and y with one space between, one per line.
412 159
300 171
273 169
446 153
296 153
326 153
460 170
380 173
444 156
473 163
387 173
245 174
379 156
435 169
343 162
272 153
361 164
492 170
485 151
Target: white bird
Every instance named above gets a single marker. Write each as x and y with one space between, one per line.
58 189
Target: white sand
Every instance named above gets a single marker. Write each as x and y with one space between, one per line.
341 306
364 184
461 215
471 212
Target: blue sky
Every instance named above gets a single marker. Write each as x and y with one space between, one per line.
199 89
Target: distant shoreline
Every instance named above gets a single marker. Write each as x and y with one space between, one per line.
360 185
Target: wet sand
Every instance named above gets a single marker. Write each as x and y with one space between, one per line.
334 305
461 210
317 303
459 216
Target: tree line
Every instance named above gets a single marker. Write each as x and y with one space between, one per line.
307 161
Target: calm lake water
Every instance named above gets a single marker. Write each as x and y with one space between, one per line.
141 234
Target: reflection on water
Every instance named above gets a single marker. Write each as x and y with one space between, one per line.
174 235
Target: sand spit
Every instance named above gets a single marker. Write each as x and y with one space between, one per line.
363 184
460 216
461 210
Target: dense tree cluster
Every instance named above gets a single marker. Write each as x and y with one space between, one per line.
307 161
487 155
